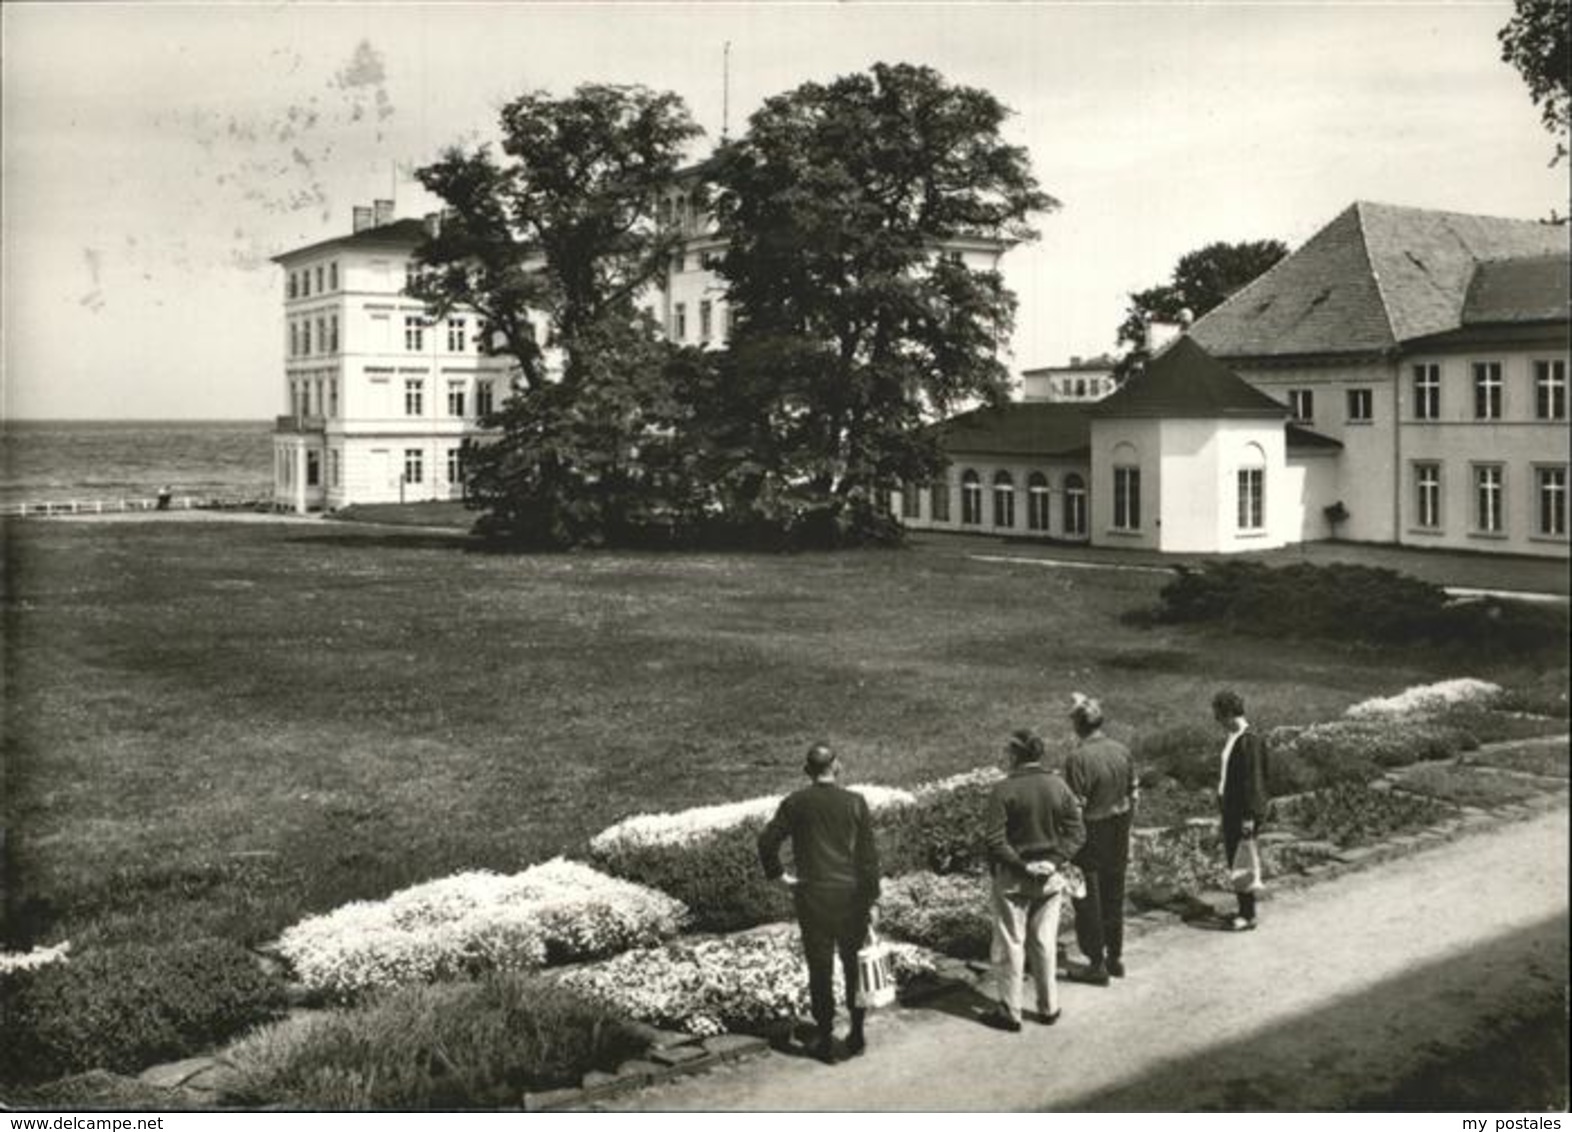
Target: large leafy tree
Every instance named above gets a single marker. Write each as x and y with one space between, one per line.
561 226
1535 41
853 326
1200 281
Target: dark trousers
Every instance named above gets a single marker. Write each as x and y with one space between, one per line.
1233 838
1099 915
834 921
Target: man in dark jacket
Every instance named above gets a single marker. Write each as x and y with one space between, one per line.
1242 796
834 890
1099 772
1033 828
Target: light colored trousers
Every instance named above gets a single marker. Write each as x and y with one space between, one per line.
1025 936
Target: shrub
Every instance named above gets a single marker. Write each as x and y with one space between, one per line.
1187 754
1427 699
949 914
1353 603
717 877
1164 803
1349 814
1357 750
475 922
457 1045
127 1007
1169 864
941 830
750 982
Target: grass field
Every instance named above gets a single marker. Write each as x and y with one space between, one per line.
218 727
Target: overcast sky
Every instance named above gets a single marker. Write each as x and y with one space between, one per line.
156 156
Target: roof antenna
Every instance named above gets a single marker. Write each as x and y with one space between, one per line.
726 90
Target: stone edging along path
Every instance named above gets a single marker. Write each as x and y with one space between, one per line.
200 1082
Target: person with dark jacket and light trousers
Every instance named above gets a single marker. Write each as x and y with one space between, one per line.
1033 830
834 889
1101 775
1243 798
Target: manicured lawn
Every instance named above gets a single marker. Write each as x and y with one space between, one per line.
218 727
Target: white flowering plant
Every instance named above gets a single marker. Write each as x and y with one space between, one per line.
749 982
1428 699
473 922
30 960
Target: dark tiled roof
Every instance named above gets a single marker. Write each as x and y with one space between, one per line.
1186 381
400 233
1532 289
1375 276
1029 428
1300 437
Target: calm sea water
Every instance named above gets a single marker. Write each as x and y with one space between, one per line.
54 461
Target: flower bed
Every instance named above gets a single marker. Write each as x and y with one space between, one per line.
1467 787
1356 750
949 914
687 827
1349 814
1547 760
751 982
11 961
473 922
1428 699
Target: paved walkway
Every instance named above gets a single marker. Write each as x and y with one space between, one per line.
1346 987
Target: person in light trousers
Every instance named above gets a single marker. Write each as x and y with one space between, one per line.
1033 828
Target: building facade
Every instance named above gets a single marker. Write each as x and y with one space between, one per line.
380 397
1401 378
1084 379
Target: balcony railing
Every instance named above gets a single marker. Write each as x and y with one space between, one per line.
297 422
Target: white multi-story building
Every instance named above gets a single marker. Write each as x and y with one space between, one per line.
380 397
1084 379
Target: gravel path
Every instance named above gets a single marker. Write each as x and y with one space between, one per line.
1349 988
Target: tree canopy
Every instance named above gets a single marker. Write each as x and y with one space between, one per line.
846 208
562 231
1534 41
1200 281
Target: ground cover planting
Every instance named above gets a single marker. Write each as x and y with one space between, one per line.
231 732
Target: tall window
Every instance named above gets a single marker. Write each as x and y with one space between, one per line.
320 288
1550 390
455 465
414 332
1074 506
335 467
1427 495
455 398
1003 500
333 334
414 397
1361 406
305 336
414 466
313 468
294 339
333 276
1252 499
455 335
1551 487
971 499
305 283
679 322
706 312
939 502
1037 502
293 285
1301 403
332 406
1487 498
1427 392
322 338
484 398
411 274
911 501
1487 391
1127 499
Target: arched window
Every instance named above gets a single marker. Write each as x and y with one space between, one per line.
1037 502
1003 500
971 498
1074 506
1252 489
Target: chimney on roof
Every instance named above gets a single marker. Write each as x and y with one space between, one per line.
433 223
362 216
383 212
